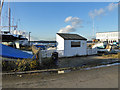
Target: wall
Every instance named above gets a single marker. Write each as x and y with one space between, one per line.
92 51
60 42
72 51
64 48
111 36
48 53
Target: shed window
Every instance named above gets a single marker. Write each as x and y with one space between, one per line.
75 44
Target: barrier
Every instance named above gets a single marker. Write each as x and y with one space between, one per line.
91 51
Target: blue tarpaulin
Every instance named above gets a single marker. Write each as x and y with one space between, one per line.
13 53
41 46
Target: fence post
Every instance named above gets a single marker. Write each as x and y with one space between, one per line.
87 51
40 56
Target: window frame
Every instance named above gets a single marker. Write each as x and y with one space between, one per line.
75 42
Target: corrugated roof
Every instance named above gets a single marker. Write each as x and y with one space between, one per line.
67 36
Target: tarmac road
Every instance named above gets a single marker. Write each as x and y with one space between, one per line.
106 77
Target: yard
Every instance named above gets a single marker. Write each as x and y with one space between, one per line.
87 61
105 77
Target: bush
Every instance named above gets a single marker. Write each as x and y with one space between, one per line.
34 65
27 64
8 65
20 65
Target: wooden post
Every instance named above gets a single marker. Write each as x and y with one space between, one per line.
40 57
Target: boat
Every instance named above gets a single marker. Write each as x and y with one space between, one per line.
14 37
10 52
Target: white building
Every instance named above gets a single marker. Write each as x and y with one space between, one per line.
71 44
108 36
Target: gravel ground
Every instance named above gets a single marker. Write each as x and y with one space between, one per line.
88 61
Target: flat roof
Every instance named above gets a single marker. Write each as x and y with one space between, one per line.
108 32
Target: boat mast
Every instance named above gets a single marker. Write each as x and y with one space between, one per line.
1 12
1 15
1 7
9 18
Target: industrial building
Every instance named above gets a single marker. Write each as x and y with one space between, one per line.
110 37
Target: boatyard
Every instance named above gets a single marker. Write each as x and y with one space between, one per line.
66 58
70 69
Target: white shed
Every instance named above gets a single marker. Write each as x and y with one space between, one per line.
71 44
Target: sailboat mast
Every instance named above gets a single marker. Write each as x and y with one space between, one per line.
1 7
1 12
9 18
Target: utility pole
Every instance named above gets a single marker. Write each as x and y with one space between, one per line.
29 38
93 28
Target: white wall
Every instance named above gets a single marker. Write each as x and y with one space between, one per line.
48 53
72 51
108 35
60 42
92 51
67 50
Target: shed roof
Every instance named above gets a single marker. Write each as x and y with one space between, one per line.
67 36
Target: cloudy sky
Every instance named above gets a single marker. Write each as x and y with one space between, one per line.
45 19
